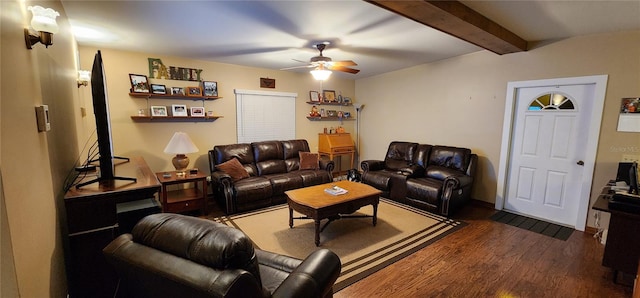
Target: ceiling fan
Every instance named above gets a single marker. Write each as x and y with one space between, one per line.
323 62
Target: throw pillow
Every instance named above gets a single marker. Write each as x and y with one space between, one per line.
309 161
233 168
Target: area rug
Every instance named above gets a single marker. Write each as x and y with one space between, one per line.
363 249
534 225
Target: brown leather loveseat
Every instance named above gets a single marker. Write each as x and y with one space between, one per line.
172 255
433 178
251 176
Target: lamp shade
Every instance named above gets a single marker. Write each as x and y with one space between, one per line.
180 143
320 73
44 19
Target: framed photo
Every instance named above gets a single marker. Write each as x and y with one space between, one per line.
329 95
179 110
158 89
314 96
159 111
346 100
139 83
197 111
332 113
177 91
194 91
210 88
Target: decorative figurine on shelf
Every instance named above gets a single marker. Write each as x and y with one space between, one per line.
314 112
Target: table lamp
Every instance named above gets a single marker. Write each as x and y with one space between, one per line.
180 144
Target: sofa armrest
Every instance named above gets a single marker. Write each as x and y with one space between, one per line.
412 171
223 183
451 185
313 278
372 165
327 164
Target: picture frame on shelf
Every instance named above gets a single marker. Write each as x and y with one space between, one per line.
329 95
197 111
210 88
346 100
177 91
159 111
194 91
158 89
314 96
332 113
179 111
139 83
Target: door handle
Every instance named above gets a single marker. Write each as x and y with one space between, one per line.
580 163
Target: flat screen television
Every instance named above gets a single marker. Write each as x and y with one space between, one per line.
103 126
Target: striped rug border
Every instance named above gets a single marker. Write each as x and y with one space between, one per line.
389 254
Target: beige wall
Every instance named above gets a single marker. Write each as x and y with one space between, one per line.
461 101
35 165
149 139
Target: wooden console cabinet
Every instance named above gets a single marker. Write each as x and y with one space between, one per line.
622 250
336 144
92 223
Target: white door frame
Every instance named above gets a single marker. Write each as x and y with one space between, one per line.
591 149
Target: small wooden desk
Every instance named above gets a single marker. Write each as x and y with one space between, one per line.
336 144
182 200
622 250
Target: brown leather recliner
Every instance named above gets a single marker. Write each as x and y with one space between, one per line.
433 178
172 255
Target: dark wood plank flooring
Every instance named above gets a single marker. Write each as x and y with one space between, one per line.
491 259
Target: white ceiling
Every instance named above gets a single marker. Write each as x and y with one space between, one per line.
269 34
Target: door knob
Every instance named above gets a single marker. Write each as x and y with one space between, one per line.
580 163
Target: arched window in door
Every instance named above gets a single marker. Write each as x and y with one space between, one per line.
551 101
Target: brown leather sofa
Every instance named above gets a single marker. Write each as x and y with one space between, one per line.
433 178
172 255
273 167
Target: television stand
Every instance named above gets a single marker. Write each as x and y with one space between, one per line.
108 180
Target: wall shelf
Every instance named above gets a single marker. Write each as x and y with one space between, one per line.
326 103
330 119
172 96
174 119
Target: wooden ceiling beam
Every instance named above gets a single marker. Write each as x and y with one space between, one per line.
456 19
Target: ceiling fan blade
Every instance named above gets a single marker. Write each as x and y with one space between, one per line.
344 69
295 67
344 63
305 62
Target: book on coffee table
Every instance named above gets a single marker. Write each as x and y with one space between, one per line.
335 190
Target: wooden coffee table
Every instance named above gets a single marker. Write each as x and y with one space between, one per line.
316 204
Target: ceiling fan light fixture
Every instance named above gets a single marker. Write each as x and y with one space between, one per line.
320 73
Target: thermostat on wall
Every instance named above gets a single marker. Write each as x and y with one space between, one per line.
42 116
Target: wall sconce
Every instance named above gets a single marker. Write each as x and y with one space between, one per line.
43 21
84 76
320 73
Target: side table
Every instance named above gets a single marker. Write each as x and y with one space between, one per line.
187 199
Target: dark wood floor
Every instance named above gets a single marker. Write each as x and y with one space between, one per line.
491 259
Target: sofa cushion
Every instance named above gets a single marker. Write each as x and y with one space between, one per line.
400 155
242 152
314 177
425 189
450 157
285 181
309 161
292 147
234 169
252 189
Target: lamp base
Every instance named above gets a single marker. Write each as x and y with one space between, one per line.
180 162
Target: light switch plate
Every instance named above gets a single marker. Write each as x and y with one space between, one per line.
42 116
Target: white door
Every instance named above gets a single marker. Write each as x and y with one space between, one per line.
547 152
